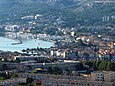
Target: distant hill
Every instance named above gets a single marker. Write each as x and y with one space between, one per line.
86 12
10 6
15 9
94 12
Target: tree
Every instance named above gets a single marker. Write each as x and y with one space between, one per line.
23 50
29 67
57 70
80 66
80 43
4 75
4 67
103 66
86 56
29 80
18 60
2 78
32 51
111 66
14 75
97 64
89 63
93 64
50 70
27 50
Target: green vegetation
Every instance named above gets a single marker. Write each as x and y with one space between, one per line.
4 67
93 14
111 66
51 70
57 70
4 75
29 81
2 78
101 65
14 75
12 11
73 12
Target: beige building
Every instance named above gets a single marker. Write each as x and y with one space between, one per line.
95 79
12 82
103 76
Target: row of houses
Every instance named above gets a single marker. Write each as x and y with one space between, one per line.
98 78
12 82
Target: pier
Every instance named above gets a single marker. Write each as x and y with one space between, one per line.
18 42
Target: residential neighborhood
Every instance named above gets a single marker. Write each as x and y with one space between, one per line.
57 43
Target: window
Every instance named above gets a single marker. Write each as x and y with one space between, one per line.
87 84
76 83
72 83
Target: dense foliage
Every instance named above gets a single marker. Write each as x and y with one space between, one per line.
101 65
74 11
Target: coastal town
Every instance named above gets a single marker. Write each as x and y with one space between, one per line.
81 55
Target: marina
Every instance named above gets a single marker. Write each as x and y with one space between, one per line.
13 45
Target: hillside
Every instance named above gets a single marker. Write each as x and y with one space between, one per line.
85 12
13 10
94 13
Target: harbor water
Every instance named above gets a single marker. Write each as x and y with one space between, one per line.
7 44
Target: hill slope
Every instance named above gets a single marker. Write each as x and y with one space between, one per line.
15 9
86 12
95 13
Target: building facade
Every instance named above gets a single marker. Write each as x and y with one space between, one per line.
95 79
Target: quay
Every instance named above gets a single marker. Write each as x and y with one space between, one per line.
18 42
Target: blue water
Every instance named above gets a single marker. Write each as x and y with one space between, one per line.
6 44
